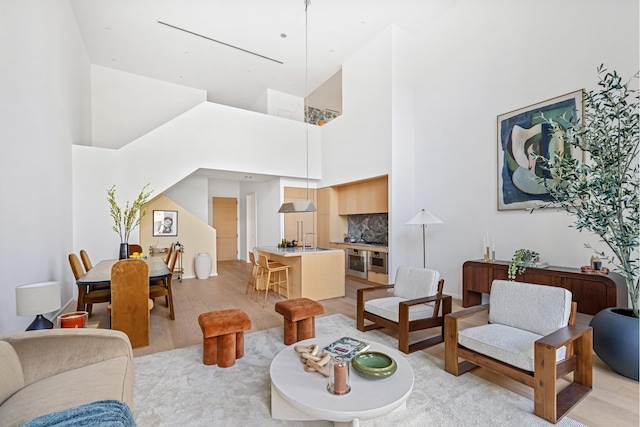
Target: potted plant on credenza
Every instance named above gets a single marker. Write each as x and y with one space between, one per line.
127 219
602 195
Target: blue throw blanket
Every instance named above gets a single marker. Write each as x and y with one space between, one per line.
102 413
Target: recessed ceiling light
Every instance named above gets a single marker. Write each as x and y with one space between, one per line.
283 35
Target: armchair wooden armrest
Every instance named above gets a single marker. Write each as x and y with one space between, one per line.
451 364
578 340
564 336
374 288
425 300
360 300
445 300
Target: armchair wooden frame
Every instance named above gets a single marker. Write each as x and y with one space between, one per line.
548 403
404 326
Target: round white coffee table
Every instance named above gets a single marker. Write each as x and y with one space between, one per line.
300 395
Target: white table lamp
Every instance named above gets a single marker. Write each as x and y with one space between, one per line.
35 299
424 218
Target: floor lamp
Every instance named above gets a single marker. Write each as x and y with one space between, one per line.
424 218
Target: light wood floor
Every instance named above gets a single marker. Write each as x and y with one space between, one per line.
614 400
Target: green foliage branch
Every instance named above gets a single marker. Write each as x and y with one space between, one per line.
602 193
127 219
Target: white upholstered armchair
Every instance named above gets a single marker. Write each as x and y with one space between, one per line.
531 336
417 303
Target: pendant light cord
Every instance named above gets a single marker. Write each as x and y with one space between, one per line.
306 83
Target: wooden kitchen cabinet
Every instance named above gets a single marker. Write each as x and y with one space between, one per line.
591 291
331 226
364 197
292 220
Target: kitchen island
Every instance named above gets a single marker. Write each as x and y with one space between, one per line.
314 273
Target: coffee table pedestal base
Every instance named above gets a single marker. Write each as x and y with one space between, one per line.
283 410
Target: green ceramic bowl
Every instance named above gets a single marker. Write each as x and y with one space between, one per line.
374 365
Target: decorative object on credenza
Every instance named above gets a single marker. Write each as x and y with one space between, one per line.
588 269
489 249
35 299
423 218
522 258
127 219
76 319
522 134
312 360
602 194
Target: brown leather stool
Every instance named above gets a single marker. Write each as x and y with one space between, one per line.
223 336
299 318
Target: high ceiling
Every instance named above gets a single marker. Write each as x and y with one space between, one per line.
140 37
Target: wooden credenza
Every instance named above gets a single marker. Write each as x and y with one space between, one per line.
592 291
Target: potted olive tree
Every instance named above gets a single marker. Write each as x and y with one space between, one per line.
127 219
602 196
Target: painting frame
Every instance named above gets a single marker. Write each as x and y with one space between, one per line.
525 131
161 227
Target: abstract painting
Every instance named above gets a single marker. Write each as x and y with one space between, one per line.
527 132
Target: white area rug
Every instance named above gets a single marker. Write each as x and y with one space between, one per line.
174 388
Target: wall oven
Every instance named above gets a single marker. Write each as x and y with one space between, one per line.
357 263
378 262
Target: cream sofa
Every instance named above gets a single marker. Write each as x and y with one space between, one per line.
56 369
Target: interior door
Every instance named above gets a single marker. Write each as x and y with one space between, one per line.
225 221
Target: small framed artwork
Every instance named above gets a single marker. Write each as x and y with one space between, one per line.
165 223
525 132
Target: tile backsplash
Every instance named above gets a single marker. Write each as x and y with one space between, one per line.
371 227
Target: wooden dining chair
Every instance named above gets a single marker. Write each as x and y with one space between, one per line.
86 261
134 248
167 257
87 295
130 303
162 288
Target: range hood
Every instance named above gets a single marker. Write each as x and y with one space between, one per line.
300 206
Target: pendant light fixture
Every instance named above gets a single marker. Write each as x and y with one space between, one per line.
303 205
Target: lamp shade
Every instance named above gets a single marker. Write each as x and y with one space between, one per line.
37 298
424 217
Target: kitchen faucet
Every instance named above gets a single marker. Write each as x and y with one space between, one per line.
304 239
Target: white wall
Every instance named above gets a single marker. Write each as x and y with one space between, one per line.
44 108
126 106
191 194
282 104
403 240
356 145
483 59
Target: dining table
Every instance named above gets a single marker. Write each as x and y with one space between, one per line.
100 274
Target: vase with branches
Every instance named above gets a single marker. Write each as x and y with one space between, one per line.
125 220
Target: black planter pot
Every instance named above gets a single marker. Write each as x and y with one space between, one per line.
124 251
615 340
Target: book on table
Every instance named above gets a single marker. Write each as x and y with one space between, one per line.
346 347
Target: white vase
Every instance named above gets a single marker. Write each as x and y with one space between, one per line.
203 265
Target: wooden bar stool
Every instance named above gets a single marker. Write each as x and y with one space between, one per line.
270 277
253 276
